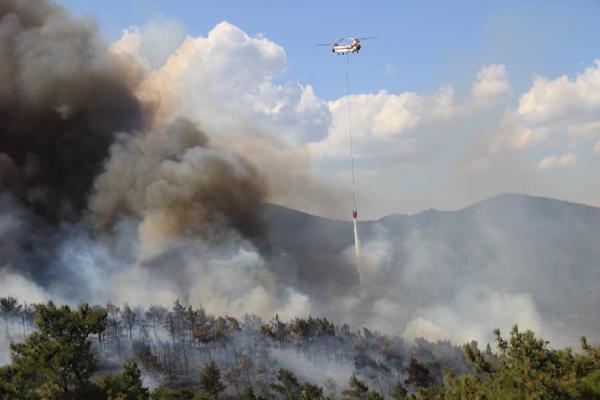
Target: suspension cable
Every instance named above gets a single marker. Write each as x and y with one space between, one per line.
350 129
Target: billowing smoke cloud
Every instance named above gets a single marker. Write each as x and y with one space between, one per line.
62 98
178 186
98 204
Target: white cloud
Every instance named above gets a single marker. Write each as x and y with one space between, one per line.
393 125
557 162
527 137
224 80
491 84
597 148
552 109
562 99
585 130
514 135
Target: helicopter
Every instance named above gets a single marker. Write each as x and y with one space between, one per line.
346 45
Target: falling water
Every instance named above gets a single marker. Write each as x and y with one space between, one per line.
356 241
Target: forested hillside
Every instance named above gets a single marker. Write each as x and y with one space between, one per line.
183 353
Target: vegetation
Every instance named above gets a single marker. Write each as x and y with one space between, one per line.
527 369
106 354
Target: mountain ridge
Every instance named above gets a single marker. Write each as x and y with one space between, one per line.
511 245
508 196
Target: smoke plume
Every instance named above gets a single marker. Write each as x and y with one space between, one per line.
93 195
178 186
62 99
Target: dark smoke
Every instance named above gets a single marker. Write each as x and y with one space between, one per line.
75 149
179 186
62 100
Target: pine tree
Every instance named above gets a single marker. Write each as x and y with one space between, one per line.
210 380
56 362
418 374
125 386
287 386
358 389
399 392
311 392
8 306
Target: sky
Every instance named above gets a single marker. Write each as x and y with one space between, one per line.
452 103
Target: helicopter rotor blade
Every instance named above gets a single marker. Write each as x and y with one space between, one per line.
324 44
369 37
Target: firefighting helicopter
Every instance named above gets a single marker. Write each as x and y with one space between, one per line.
346 45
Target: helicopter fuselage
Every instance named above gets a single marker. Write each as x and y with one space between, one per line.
346 48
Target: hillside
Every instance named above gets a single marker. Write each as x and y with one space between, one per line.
514 244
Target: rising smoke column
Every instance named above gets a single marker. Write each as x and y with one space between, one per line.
178 185
198 212
74 149
62 99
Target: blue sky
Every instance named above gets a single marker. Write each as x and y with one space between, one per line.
421 45
452 103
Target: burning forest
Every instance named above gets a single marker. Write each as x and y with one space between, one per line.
151 243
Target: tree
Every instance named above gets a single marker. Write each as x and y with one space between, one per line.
287 386
8 307
114 325
359 390
154 316
311 392
129 320
418 374
528 369
238 375
125 386
210 380
399 392
247 394
172 394
276 329
8 388
149 361
56 362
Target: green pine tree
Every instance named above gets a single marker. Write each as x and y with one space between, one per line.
359 390
56 361
399 392
125 386
287 386
210 380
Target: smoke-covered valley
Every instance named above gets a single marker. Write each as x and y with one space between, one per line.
111 192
